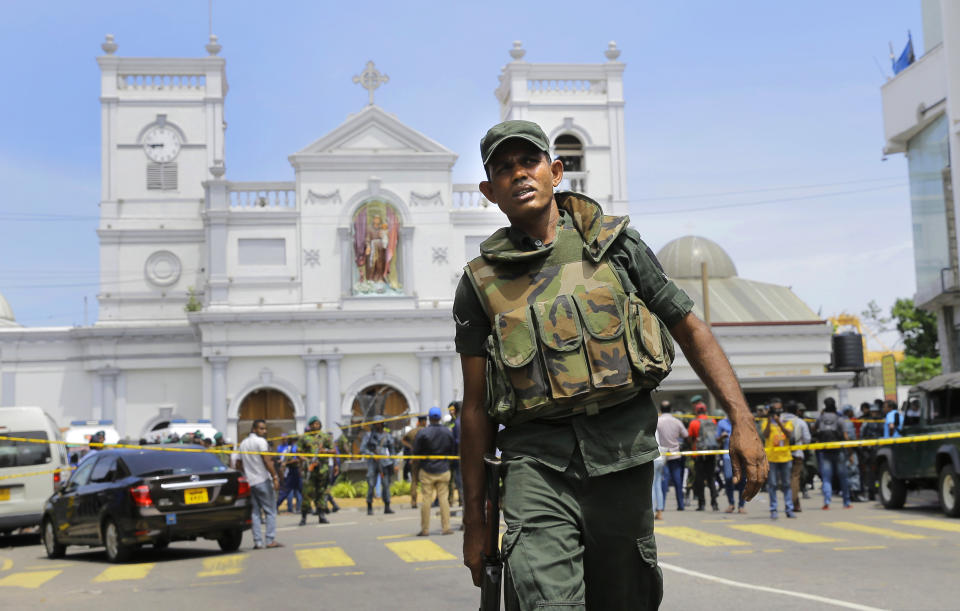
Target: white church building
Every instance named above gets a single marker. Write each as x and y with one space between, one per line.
233 300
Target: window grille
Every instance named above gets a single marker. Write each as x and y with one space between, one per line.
161 176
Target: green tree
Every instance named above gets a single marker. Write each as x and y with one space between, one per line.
915 369
917 328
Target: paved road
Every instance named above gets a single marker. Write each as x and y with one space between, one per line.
866 556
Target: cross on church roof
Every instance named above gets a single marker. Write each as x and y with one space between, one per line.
370 79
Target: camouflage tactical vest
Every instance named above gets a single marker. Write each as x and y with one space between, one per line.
566 338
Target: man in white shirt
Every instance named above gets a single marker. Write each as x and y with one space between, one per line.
264 482
670 432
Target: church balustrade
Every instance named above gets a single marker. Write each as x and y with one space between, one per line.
157 82
566 86
573 181
467 196
262 195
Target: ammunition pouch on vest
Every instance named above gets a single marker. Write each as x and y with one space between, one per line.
566 338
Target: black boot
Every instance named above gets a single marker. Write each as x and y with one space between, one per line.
386 508
323 518
303 516
333 504
369 509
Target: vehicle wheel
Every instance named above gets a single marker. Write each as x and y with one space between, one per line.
893 492
53 547
230 540
116 550
949 491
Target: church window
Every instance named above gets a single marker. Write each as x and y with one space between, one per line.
569 150
161 176
376 250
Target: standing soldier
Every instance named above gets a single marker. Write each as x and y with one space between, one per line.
573 311
378 442
316 471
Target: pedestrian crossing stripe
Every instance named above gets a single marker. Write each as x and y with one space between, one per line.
31 579
222 565
934 524
697 537
419 551
6 564
778 532
124 573
323 558
873 530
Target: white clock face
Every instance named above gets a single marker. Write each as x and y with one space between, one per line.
161 143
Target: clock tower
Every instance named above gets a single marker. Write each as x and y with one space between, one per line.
162 136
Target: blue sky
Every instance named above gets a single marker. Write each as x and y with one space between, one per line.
757 99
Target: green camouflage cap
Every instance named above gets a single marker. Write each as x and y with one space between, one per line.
501 132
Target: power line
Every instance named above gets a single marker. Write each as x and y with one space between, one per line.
765 190
768 201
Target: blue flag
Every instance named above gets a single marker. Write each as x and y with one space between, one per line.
906 58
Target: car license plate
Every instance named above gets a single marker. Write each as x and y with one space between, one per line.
195 496
4 494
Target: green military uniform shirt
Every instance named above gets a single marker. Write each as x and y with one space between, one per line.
618 437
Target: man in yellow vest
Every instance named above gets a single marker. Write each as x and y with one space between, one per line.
573 318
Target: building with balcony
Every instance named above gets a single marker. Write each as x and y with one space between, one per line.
921 119
330 295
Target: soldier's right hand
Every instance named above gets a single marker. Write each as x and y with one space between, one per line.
475 536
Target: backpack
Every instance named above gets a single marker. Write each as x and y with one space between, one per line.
828 428
707 438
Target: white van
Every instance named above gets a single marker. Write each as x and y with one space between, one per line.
22 497
162 430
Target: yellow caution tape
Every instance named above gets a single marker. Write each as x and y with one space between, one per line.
32 473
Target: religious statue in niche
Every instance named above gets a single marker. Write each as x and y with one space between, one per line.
376 233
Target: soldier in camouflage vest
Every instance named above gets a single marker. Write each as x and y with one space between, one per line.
316 471
564 325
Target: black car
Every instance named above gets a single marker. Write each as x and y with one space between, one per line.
122 499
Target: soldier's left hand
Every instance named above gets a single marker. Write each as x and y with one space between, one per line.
748 458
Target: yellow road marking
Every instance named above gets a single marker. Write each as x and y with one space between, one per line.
47 567
858 548
873 530
314 544
664 554
697 537
772 551
381 538
741 551
323 558
934 524
33 579
6 564
786 534
345 574
124 573
222 565
419 551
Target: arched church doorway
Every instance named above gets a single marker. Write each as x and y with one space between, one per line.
376 400
271 405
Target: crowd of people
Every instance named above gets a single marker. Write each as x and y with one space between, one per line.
304 483
780 424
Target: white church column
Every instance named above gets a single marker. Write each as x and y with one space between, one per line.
8 389
426 381
108 385
446 380
218 392
312 367
333 392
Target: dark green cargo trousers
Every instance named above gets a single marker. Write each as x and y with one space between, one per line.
579 542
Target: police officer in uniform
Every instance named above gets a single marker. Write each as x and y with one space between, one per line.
576 317
316 471
377 442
